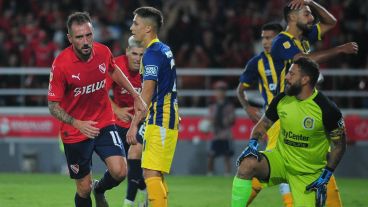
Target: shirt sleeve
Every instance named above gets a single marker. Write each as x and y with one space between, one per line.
284 49
332 118
314 34
111 61
271 112
250 74
152 65
57 84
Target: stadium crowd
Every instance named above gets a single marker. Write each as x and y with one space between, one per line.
202 34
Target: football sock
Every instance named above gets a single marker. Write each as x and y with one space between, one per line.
256 188
286 195
135 178
165 186
82 202
106 183
333 194
240 192
156 192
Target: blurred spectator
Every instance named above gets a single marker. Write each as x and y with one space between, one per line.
210 34
222 119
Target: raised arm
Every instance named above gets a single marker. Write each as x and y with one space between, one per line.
326 55
327 20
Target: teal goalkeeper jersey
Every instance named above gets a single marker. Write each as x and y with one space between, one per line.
305 124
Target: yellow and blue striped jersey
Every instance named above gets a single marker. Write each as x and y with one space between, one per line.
285 46
159 65
270 80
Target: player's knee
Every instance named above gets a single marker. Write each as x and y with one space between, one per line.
247 168
84 188
135 152
118 173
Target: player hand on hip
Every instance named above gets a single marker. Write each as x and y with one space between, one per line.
320 186
87 128
250 150
124 114
131 135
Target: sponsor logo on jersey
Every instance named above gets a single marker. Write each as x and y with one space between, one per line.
297 137
90 88
124 91
102 68
151 70
76 76
75 168
286 45
308 123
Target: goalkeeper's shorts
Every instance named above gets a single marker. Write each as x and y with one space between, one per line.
297 183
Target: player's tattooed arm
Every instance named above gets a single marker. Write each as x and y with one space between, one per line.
261 127
338 138
60 113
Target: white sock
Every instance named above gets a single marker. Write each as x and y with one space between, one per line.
284 188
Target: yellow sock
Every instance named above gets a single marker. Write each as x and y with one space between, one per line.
333 194
287 199
165 186
156 192
256 188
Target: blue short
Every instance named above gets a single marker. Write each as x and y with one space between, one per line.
79 155
123 131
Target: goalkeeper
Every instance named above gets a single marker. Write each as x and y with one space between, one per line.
309 123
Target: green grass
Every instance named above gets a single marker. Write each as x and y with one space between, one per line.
38 190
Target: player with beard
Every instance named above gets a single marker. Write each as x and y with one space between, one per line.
295 42
309 124
78 98
302 31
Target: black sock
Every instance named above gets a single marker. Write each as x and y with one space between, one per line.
106 183
82 202
135 179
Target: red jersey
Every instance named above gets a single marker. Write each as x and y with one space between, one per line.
121 96
80 88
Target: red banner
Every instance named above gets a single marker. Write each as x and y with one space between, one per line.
191 127
29 126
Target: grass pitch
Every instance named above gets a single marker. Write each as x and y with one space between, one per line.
45 190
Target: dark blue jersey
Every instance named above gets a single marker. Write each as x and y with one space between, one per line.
159 65
285 46
270 80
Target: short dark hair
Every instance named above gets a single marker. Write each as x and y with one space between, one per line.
310 68
151 13
273 26
287 11
79 18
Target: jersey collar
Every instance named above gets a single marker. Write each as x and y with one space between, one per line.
153 41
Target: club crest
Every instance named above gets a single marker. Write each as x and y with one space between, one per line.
102 68
75 168
308 123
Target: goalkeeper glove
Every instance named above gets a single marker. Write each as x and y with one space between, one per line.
250 150
320 186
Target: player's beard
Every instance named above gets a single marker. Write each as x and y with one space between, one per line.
84 56
304 27
294 89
